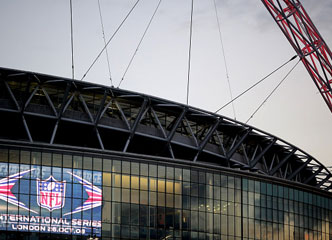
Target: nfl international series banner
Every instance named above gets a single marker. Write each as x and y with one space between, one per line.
50 199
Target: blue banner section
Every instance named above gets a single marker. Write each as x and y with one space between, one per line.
50 199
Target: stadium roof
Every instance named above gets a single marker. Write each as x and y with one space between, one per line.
38 108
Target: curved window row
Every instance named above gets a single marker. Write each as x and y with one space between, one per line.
73 196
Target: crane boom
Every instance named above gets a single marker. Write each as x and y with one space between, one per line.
309 45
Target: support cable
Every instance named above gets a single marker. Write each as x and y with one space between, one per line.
265 100
72 40
224 55
104 38
256 84
140 42
190 43
111 38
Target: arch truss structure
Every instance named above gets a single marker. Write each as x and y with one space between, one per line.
49 110
308 43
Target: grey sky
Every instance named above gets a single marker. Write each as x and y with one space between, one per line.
35 36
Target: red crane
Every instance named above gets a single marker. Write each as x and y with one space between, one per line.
309 45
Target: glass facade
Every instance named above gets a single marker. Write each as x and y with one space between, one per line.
117 198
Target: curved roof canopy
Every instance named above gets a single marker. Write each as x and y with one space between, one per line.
58 111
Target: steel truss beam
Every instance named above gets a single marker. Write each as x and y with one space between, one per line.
309 45
182 128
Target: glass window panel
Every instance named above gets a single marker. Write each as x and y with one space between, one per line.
152 170
224 224
177 188
231 194
125 213
161 172
3 155
178 201
161 185
143 183
275 190
143 215
178 174
251 198
170 200
87 163
135 168
223 193
152 216
116 180
237 182
116 212
194 203
36 158
186 202
153 198
135 196
201 204
134 232
209 222
257 187
107 165
46 159
25 157
201 221
186 188
216 223
237 196
14 156
209 205
186 175
194 221
216 193
216 206
230 225
77 162
97 164
125 181
144 169
251 211
216 179
169 186
269 189
144 197
161 199
263 188
134 182
194 189
185 220
107 178
224 207
134 214
116 194
116 166
177 221
194 176
209 191
231 183
209 178
57 160
126 195
125 167
237 209
106 212
107 193
67 161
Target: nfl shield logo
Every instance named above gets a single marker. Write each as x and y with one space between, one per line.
51 193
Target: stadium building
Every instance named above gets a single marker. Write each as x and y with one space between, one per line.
84 161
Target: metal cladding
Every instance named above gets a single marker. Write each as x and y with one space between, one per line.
42 109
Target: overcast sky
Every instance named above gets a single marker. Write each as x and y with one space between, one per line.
35 36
